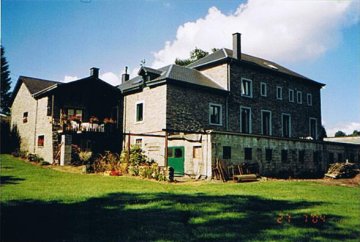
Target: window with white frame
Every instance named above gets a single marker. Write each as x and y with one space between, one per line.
291 95
279 94
139 111
313 128
138 142
266 122
215 114
246 87
25 117
309 99
286 125
245 120
263 89
299 97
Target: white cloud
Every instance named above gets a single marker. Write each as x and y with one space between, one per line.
111 78
70 78
277 30
348 128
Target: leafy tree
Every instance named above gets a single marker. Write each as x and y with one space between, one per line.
356 133
5 84
195 55
340 134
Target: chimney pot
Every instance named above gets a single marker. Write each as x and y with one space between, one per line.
125 77
94 72
237 46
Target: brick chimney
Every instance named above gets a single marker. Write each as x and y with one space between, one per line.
94 72
125 77
237 46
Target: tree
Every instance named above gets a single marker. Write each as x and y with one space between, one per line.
340 134
195 55
356 133
5 84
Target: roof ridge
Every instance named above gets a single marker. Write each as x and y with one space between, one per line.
38 79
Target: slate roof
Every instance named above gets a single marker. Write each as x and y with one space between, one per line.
174 73
226 54
35 84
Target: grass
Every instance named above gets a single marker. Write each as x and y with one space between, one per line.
42 204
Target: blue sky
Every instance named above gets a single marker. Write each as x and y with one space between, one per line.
61 40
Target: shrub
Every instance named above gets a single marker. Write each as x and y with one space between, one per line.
34 158
85 156
136 157
107 162
75 159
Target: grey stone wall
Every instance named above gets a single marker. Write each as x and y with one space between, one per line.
300 113
188 108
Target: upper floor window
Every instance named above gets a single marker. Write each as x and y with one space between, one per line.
74 114
309 99
245 120
215 114
263 89
25 117
139 111
286 125
312 128
265 122
299 97
246 87
291 95
279 94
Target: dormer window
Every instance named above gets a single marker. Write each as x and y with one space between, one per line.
246 87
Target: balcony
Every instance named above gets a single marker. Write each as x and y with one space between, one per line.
74 124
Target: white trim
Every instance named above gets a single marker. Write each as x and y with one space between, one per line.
265 85
297 97
281 93
143 111
316 131
293 95
220 118
262 119
251 88
142 143
282 124
250 119
309 98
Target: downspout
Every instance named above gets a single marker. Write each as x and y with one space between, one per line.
36 111
227 97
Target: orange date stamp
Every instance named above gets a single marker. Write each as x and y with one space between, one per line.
305 218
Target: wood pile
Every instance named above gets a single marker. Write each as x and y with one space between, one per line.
342 170
242 172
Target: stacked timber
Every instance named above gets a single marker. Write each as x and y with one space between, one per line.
342 170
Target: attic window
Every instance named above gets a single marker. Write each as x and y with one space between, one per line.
271 66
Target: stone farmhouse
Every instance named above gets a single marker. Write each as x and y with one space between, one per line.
228 105
85 112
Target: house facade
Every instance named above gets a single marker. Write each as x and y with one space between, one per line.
229 106
49 114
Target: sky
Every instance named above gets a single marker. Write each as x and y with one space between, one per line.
61 40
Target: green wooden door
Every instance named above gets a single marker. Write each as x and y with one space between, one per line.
176 159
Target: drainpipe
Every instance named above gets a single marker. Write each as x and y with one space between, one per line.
36 111
166 150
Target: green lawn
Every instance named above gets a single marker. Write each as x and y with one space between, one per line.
41 204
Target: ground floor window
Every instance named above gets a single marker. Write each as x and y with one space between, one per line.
268 154
41 140
226 152
301 156
248 153
284 155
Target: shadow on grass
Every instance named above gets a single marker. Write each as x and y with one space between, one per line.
6 180
162 216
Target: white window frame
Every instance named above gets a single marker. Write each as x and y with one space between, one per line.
263 84
220 118
299 94
142 140
250 119
316 131
309 99
262 119
293 95
281 93
250 88
282 124
143 111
